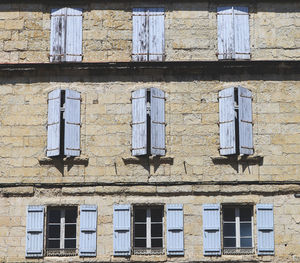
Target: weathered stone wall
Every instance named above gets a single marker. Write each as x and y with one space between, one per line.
190 31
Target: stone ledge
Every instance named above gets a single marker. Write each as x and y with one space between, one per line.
148 159
243 159
66 161
17 191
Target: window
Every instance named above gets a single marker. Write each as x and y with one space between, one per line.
148 122
235 121
148 34
233 33
66 35
63 123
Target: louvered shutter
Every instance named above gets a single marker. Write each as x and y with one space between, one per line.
122 244
72 123
58 35
211 230
139 122
227 122
74 35
157 122
175 243
88 231
265 229
245 121
156 34
225 33
53 137
35 231
241 33
140 34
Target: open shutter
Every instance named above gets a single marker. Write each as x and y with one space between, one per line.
265 229
175 244
35 231
211 230
225 33
122 246
158 146
72 123
241 33
88 231
227 122
140 34
53 137
58 35
139 122
245 121
156 34
74 35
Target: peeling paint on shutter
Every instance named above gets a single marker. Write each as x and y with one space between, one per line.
156 34
122 244
227 122
139 122
88 231
211 230
157 122
35 231
245 121
53 137
175 242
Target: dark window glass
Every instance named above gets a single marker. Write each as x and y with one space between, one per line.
245 214
156 242
70 243
54 231
71 215
246 242
70 231
140 230
156 215
53 244
140 243
54 216
229 214
229 242
156 230
229 229
140 215
245 229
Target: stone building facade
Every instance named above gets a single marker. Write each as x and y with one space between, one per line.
214 199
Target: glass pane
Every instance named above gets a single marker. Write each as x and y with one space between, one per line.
156 215
229 214
53 244
246 229
229 242
71 215
140 230
245 213
229 229
156 242
70 231
140 215
156 230
54 216
140 242
246 242
54 231
70 243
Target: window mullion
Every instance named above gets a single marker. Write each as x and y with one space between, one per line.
237 227
148 228
62 228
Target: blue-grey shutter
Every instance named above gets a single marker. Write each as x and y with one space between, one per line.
122 244
245 121
35 231
158 146
175 243
53 127
72 123
88 231
265 229
211 230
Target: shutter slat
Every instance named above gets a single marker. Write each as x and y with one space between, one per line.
175 242
122 244
211 230
88 231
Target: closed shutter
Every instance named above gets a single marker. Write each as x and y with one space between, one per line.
157 122
35 231
122 244
156 34
175 243
139 122
88 231
227 122
74 35
211 230
245 121
58 35
72 123
265 229
53 127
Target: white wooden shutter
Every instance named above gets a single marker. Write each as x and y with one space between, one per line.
140 34
227 122
53 137
122 244
265 229
74 35
35 231
139 122
211 230
175 243
156 34
245 121
241 33
72 123
158 146
58 35
88 231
